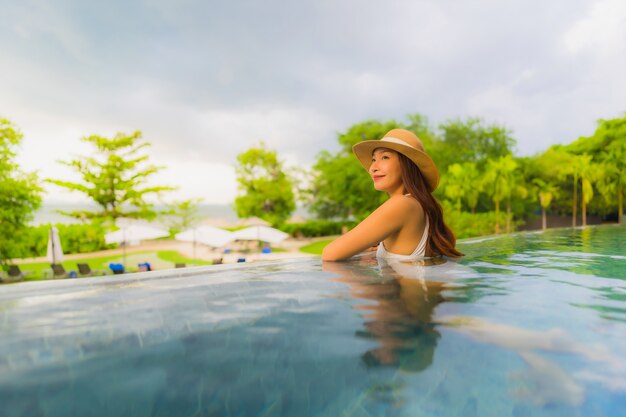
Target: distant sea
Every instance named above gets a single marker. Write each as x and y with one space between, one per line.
220 214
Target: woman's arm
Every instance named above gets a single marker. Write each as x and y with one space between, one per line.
385 220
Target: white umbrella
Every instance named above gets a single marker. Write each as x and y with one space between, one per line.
133 233
55 251
253 221
262 233
208 235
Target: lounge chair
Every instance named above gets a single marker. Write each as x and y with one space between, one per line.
58 271
14 274
180 265
86 271
116 268
144 266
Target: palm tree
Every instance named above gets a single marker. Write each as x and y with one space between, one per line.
463 183
557 162
615 164
498 179
546 192
589 172
453 186
473 185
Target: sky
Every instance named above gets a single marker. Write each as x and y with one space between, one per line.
206 80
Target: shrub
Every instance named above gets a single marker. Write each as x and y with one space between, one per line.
316 228
75 238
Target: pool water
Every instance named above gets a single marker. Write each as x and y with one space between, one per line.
531 324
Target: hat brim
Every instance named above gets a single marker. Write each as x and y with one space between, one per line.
363 151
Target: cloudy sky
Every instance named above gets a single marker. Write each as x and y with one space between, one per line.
205 80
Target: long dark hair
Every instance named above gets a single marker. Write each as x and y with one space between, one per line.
441 240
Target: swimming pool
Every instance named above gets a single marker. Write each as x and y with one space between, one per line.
532 324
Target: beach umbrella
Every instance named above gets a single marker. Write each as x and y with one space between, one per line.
262 233
55 251
207 235
133 233
253 221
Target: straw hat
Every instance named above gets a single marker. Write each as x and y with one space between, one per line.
407 144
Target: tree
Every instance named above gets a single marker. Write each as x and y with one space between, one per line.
20 193
588 172
615 160
115 178
612 134
473 140
266 191
453 185
558 163
500 185
182 215
463 183
546 192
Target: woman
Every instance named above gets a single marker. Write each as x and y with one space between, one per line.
409 225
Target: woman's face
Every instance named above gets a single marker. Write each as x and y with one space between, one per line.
386 171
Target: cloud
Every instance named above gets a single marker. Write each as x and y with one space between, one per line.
204 81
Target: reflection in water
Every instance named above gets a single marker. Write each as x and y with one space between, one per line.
400 318
399 302
544 382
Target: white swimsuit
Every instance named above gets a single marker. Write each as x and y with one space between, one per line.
418 253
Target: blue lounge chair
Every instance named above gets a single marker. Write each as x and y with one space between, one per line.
116 268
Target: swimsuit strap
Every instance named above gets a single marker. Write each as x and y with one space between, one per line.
421 247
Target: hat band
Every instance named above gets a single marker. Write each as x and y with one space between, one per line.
396 140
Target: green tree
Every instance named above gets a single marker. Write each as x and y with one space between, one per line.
500 185
588 172
266 191
560 164
20 194
463 183
546 192
473 140
612 135
115 178
453 185
182 215
515 189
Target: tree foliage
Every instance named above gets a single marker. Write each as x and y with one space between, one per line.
20 193
182 215
265 189
472 140
115 177
481 174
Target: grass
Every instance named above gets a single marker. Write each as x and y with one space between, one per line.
315 248
158 260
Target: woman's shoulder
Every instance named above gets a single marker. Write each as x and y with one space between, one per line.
405 200
402 203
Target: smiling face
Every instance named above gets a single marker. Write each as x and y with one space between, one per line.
386 172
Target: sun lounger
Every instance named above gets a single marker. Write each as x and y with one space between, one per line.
116 268
14 274
58 271
86 271
145 266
